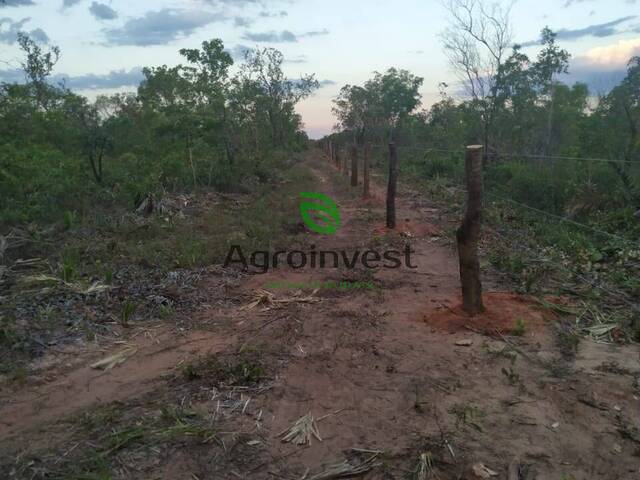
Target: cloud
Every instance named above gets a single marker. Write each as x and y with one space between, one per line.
69 3
9 35
315 33
161 27
280 14
612 56
92 81
242 21
599 30
102 11
271 37
285 36
568 3
602 68
39 35
297 59
13 75
238 52
16 3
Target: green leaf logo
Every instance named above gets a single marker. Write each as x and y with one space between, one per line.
319 213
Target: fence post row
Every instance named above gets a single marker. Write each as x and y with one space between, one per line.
365 173
391 186
354 165
469 232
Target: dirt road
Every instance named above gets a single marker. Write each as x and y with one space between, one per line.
392 374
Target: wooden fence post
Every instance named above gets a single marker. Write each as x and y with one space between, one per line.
469 233
391 186
365 190
354 165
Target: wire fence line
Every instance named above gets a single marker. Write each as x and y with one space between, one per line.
427 149
559 218
619 294
615 293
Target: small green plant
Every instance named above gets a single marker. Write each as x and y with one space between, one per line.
68 219
67 271
165 311
128 309
519 328
108 276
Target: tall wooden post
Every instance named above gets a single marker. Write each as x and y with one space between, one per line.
391 186
365 188
469 233
354 165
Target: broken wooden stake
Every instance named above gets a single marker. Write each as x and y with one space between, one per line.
354 166
469 233
391 186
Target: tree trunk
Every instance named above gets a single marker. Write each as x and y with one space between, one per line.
190 156
365 188
391 186
345 165
354 166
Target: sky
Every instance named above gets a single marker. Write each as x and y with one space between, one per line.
105 43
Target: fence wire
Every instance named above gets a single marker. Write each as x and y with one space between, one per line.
499 155
618 294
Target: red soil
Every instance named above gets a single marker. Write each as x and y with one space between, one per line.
503 310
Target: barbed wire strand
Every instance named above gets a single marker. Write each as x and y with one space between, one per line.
560 218
623 296
514 155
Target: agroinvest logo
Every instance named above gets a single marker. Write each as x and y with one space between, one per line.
318 206
320 214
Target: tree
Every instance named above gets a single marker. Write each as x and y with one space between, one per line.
552 61
619 121
476 43
380 106
277 94
208 74
356 110
166 90
37 66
